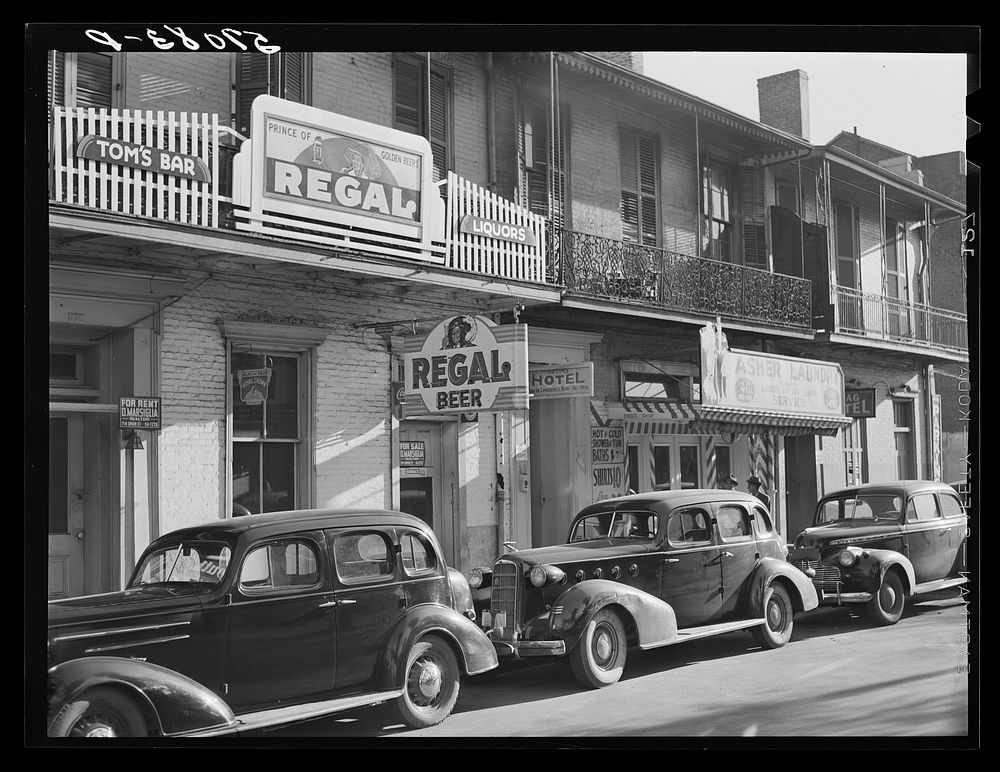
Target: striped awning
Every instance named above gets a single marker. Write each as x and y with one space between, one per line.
659 417
722 420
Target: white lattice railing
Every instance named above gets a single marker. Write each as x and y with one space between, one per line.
117 186
481 254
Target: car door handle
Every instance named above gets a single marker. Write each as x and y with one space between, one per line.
671 560
726 555
343 602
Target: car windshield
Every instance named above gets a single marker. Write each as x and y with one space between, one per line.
879 506
614 525
189 562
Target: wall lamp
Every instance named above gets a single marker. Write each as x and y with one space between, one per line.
132 440
903 390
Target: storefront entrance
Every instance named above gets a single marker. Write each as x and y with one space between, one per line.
67 494
426 479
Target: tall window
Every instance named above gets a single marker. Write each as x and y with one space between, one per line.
84 79
787 195
639 173
422 108
845 235
535 149
717 210
906 461
896 285
287 75
856 452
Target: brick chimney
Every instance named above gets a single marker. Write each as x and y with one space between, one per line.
784 102
631 60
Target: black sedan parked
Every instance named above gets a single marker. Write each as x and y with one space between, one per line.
255 621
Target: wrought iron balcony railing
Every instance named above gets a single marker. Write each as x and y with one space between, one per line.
883 318
630 273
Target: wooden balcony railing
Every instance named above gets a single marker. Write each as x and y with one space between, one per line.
659 278
883 318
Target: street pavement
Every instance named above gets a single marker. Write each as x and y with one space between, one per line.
839 676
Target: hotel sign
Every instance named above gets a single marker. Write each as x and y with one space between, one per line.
554 381
466 364
757 381
859 403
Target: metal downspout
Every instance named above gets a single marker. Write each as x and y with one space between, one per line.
491 129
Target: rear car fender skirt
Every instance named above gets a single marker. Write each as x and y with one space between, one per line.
178 704
886 559
654 620
473 650
800 587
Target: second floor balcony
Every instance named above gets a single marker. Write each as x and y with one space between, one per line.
898 321
658 278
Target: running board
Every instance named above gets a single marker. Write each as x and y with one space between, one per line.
693 633
939 584
304 712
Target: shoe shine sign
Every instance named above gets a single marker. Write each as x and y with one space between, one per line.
466 364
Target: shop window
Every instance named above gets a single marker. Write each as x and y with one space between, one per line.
717 210
632 468
639 187
286 74
723 463
85 79
856 452
424 108
651 381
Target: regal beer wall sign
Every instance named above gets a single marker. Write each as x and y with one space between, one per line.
333 170
466 364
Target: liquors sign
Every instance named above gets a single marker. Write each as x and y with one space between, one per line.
467 364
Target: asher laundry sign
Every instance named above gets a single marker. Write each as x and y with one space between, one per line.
151 159
480 226
467 364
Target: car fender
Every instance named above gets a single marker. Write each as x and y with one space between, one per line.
804 597
475 651
884 559
179 704
655 621
462 592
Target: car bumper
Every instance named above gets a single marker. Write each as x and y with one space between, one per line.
520 649
834 598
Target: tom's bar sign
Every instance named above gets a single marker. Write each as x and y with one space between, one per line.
151 159
326 168
467 364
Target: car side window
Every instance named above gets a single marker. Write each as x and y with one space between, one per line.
279 565
950 505
689 526
417 554
734 523
922 507
362 556
763 522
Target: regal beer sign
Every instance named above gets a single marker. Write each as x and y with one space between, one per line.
334 170
466 364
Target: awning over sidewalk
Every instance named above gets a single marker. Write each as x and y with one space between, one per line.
722 420
658 417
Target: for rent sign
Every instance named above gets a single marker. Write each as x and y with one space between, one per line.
467 364
139 412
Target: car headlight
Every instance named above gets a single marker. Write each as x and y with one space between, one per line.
848 557
539 576
476 578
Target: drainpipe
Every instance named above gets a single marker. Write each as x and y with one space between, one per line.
931 434
698 182
491 129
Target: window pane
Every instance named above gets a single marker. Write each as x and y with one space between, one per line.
633 468
733 523
922 507
950 505
248 403
661 465
246 478
362 556
689 527
689 466
723 466
417 555
281 407
845 232
279 477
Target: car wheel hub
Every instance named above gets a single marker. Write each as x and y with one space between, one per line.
429 680
775 615
604 646
888 597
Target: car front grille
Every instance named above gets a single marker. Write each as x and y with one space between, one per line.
825 577
503 598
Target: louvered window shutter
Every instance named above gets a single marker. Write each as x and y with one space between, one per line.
638 182
406 94
94 86
56 79
647 189
630 198
252 80
438 134
753 213
293 85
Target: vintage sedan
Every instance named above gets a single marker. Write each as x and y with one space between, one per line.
241 624
645 570
876 544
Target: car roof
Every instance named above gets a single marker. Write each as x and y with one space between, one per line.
906 487
295 519
666 500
